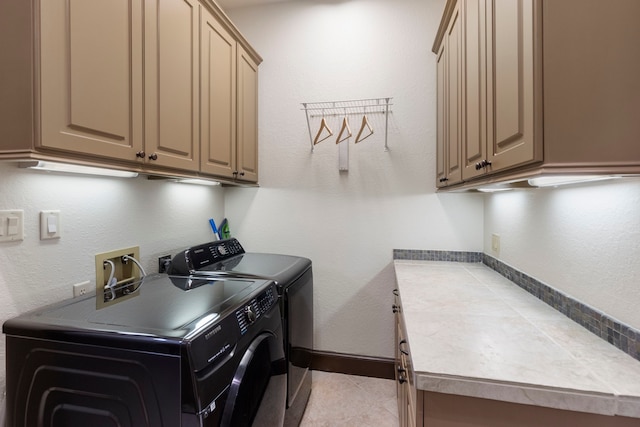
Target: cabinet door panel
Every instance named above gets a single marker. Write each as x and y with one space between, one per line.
91 77
454 108
247 117
510 65
172 64
442 117
218 99
475 88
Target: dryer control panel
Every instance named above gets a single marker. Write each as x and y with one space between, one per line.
199 257
252 311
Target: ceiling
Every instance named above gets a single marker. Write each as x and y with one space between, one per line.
232 4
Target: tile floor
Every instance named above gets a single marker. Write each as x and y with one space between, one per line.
349 400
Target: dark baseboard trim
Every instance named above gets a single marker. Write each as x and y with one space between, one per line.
376 367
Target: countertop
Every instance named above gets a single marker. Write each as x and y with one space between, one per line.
472 332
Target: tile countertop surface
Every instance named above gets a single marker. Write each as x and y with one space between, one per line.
472 332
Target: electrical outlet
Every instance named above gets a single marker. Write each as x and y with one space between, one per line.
163 263
81 289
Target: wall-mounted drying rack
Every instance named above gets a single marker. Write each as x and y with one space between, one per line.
345 109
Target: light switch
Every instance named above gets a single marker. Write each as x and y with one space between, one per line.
50 225
11 225
12 229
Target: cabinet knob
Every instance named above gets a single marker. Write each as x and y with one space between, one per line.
140 154
153 156
235 173
395 308
242 173
478 166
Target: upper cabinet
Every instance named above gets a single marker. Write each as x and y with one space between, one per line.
547 87
172 88
90 77
247 161
450 123
229 104
149 86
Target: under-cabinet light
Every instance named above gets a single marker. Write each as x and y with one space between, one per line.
553 181
197 181
494 189
69 168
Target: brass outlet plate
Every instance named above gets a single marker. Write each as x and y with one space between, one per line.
125 273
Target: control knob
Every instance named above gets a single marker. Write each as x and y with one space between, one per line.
249 314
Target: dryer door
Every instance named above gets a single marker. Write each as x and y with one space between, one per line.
257 396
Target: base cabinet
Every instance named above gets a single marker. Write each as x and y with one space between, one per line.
159 87
408 404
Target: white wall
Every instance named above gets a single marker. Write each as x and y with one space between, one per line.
348 223
98 215
582 240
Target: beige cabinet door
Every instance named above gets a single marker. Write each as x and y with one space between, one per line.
171 84
247 161
450 105
218 98
474 145
510 71
91 89
454 123
441 138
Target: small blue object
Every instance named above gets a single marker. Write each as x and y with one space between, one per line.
212 223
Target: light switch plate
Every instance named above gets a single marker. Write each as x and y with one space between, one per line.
11 225
50 225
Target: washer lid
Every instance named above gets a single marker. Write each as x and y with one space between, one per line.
162 306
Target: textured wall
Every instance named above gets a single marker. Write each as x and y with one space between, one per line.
349 222
582 240
97 215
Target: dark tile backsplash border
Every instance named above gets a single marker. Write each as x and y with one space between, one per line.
609 329
426 255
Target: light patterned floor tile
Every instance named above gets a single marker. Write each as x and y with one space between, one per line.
348 400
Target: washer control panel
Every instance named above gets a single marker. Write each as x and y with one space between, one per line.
201 256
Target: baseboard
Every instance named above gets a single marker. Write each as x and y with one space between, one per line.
376 367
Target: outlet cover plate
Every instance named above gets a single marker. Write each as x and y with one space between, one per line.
495 244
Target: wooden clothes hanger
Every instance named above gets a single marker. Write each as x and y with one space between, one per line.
365 125
345 127
323 126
